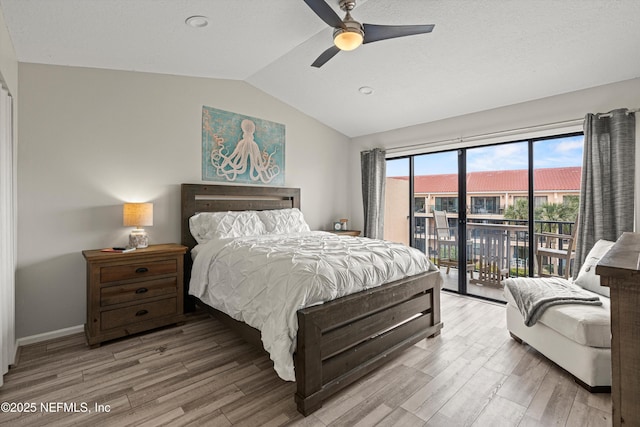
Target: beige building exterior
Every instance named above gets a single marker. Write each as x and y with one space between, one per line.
488 195
396 211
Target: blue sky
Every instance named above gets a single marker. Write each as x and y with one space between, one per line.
550 153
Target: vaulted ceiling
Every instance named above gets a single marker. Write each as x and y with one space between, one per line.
481 54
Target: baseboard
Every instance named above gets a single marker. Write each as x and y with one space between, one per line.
33 339
16 353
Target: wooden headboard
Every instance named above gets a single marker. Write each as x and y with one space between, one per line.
222 198
198 198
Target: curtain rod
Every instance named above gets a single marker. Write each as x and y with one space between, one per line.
487 135
501 133
629 111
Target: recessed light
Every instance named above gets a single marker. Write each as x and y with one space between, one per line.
366 90
197 21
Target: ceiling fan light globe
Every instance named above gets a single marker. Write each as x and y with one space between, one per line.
347 40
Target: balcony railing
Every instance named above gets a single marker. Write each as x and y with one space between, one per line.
497 247
473 210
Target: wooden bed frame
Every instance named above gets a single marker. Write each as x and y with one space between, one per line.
342 340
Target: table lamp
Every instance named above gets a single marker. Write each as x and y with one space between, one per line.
138 215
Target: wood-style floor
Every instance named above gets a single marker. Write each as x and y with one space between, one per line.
202 374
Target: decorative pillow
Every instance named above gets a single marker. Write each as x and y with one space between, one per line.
283 221
206 226
587 277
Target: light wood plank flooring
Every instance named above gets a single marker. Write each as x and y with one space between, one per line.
486 291
203 374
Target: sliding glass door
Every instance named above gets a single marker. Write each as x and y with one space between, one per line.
556 197
469 210
497 221
435 196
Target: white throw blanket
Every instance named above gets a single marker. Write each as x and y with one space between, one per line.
263 280
534 295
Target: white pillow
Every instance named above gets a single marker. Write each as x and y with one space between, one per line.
283 221
587 277
206 226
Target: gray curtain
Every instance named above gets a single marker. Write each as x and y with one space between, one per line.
373 165
607 189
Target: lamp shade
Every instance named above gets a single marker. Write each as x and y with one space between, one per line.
137 214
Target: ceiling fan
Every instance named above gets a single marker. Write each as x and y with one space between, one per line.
348 34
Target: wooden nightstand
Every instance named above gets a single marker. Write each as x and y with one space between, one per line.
133 292
345 232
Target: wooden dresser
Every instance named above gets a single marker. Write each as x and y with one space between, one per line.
133 292
619 269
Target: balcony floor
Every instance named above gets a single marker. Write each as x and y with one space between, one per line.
451 283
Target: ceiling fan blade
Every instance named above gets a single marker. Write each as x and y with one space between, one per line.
325 12
325 56
374 33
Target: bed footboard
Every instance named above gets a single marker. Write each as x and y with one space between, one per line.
341 341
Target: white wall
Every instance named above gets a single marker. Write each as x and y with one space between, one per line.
544 111
8 60
9 80
91 139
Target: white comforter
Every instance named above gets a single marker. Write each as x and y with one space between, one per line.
263 280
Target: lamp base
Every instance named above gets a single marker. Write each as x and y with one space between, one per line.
138 239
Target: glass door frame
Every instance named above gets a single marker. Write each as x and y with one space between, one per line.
462 220
462 202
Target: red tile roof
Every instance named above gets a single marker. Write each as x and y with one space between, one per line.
547 179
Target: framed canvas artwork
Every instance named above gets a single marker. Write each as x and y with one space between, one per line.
242 149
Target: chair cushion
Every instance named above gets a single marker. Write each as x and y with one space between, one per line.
587 277
585 324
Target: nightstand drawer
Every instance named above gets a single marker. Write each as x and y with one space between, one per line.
138 313
110 295
134 271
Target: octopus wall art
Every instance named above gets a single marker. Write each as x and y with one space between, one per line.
243 149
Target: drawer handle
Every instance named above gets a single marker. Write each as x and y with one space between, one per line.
142 270
141 290
141 313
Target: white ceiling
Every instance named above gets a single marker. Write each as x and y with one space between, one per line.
481 54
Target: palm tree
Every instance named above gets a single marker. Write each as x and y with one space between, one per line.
548 212
554 212
519 210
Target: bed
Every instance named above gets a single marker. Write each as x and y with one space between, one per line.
338 341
